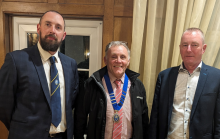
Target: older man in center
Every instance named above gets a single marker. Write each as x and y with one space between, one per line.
114 98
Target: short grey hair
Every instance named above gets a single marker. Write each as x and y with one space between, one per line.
117 43
195 30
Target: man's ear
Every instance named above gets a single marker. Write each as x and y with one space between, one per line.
38 28
64 35
204 48
105 60
128 62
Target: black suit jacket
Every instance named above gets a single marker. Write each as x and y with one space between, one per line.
205 112
24 94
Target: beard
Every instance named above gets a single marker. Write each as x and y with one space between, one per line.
50 45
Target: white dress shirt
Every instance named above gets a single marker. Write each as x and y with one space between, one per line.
46 64
185 89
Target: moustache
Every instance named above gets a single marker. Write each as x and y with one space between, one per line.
51 35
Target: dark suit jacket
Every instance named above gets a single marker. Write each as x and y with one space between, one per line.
24 94
205 112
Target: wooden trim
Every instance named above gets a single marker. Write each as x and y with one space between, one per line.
35 1
93 2
108 26
6 33
33 8
123 11
2 44
10 34
52 1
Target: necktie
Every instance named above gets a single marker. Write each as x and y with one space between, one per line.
55 101
117 127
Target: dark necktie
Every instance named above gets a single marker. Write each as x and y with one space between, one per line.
55 101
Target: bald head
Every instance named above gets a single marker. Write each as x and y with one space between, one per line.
53 12
51 31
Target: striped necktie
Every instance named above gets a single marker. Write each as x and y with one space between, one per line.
117 127
55 101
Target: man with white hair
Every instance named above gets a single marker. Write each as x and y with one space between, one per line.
114 98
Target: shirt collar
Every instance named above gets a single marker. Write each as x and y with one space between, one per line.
198 68
45 55
113 78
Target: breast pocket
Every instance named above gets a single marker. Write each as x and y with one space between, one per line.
207 136
209 94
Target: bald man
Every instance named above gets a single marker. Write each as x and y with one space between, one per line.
38 86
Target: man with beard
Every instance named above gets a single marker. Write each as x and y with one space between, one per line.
38 86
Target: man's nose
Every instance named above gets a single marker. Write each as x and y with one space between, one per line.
189 48
118 59
52 29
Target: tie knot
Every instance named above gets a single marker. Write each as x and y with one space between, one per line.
118 83
52 59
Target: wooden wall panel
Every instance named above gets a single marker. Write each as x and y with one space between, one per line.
33 8
123 11
125 3
82 1
52 1
25 1
123 29
2 46
7 25
108 25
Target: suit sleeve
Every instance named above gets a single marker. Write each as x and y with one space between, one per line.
76 81
217 117
153 129
8 85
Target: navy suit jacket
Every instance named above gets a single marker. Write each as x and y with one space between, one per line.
205 112
25 98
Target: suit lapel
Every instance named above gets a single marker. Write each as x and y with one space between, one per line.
66 70
201 83
35 56
172 84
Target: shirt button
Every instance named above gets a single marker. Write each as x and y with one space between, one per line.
187 98
185 121
186 110
185 133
